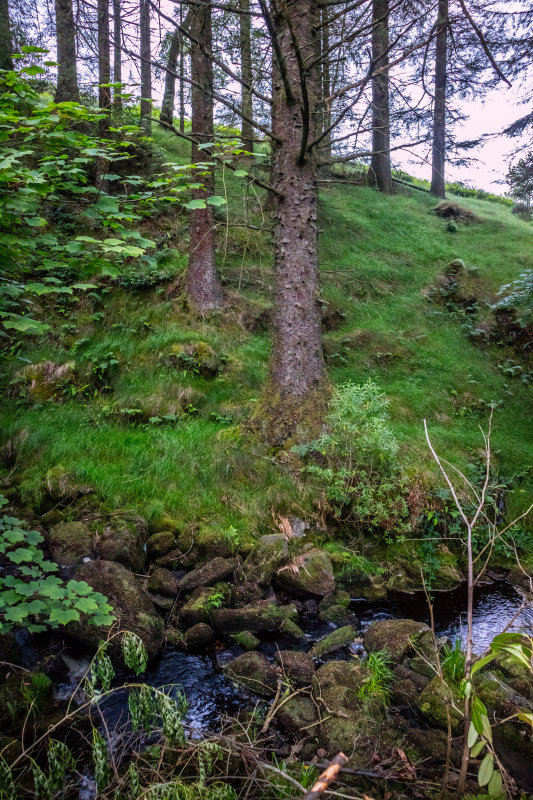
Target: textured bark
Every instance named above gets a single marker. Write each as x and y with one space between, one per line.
245 22
104 63
6 44
182 82
146 69
380 166
167 106
203 287
297 375
325 146
117 55
67 76
438 161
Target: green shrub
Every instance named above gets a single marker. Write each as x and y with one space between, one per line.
31 596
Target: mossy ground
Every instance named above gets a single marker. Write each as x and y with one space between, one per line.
377 254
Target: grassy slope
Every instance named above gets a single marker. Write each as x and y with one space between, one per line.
377 255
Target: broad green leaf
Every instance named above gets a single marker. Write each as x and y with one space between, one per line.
486 770
495 785
478 712
86 605
84 286
64 615
482 662
216 200
16 613
22 554
477 748
110 272
525 717
193 205
36 222
472 736
241 173
80 587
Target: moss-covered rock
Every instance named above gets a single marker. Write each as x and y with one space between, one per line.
253 671
298 666
162 581
198 607
246 640
133 608
333 641
393 635
20 693
214 571
123 541
297 714
291 629
336 688
45 380
196 357
209 543
199 635
261 616
159 544
270 553
433 701
308 575
164 522
70 542
339 598
338 615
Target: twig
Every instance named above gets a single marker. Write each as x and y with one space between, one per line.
329 775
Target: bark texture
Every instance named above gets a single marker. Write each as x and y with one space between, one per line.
438 160
325 146
117 55
146 67
6 44
245 39
203 287
380 166
67 75
104 63
296 389
167 106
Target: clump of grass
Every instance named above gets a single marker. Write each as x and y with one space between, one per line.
453 662
380 676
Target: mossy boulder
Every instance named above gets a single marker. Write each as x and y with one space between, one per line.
198 607
199 635
338 615
270 553
339 598
297 714
61 485
253 671
393 635
162 581
336 688
333 641
45 380
298 666
198 357
424 660
214 571
209 543
308 575
164 522
292 630
161 543
70 543
261 616
433 701
246 640
133 608
123 541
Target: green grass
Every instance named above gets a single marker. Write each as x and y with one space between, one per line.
378 255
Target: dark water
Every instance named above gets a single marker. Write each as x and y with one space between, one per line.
210 695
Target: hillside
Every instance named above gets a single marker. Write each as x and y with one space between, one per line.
134 363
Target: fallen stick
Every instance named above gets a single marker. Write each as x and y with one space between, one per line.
329 775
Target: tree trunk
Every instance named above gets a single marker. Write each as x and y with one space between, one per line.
67 75
438 187
146 68
245 22
6 44
104 64
182 83
380 166
297 389
325 147
117 56
203 287
167 106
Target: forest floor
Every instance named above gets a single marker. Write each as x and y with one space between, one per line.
153 433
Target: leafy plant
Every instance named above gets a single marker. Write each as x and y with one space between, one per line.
214 600
31 596
453 662
378 681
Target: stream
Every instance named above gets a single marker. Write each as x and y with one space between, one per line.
210 695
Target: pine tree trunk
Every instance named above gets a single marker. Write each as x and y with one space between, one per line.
245 22
182 83
104 63
117 55
6 44
67 75
325 146
380 166
146 68
297 390
203 287
167 106
438 187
